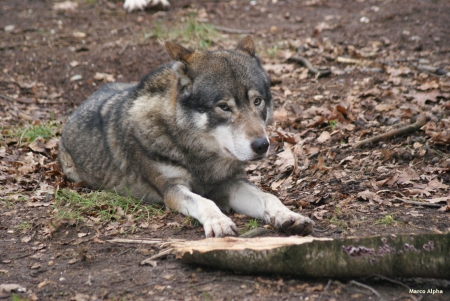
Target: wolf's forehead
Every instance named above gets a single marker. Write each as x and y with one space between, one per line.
229 70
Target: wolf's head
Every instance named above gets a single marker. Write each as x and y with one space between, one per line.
225 94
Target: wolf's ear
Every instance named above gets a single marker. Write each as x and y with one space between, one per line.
247 45
178 53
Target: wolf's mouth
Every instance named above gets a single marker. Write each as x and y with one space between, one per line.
228 151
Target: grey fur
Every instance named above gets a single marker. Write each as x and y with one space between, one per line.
160 140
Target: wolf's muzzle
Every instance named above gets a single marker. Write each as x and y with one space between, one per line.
260 146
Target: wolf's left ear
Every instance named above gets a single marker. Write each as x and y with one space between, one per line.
178 52
247 45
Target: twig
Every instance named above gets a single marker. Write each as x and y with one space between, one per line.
439 72
418 203
7 98
366 287
302 60
255 232
324 290
232 30
420 122
322 230
127 250
124 48
135 241
160 254
392 280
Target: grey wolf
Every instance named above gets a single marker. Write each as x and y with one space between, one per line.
131 5
182 136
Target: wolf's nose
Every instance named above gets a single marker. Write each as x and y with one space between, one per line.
260 145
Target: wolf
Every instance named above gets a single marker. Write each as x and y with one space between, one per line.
182 136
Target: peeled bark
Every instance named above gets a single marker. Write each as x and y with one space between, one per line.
412 255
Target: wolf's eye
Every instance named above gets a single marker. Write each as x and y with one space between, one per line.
257 101
224 107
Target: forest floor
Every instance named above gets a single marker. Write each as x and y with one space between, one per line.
389 63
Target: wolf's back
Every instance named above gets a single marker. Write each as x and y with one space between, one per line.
85 153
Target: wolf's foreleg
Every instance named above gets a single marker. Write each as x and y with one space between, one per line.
244 198
215 223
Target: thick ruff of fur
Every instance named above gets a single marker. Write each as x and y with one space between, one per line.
182 137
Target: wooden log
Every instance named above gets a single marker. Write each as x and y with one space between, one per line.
408 255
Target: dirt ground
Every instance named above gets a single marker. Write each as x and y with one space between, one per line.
389 62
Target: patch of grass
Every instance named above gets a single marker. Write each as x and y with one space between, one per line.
252 224
333 124
206 296
30 132
386 220
191 32
339 223
23 227
272 52
190 221
15 297
105 205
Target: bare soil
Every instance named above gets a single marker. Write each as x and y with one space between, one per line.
49 61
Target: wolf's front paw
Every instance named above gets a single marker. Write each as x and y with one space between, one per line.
131 5
294 224
220 226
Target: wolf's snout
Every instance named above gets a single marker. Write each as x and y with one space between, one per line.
260 145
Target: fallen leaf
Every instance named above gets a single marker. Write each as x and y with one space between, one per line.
438 200
428 86
52 143
384 107
324 137
8 288
348 158
153 263
26 239
104 77
66 5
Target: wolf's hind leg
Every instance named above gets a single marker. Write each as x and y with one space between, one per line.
67 164
215 223
244 198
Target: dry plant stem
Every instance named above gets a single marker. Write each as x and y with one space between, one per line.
161 254
420 122
418 203
232 30
255 232
325 290
353 282
135 241
302 60
398 282
6 98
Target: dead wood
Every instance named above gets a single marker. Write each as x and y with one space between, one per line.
232 30
255 232
305 62
419 203
420 122
409 255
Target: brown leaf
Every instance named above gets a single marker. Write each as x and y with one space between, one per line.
52 143
436 184
428 86
324 137
384 107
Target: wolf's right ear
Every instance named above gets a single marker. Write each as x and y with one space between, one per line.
247 45
178 52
